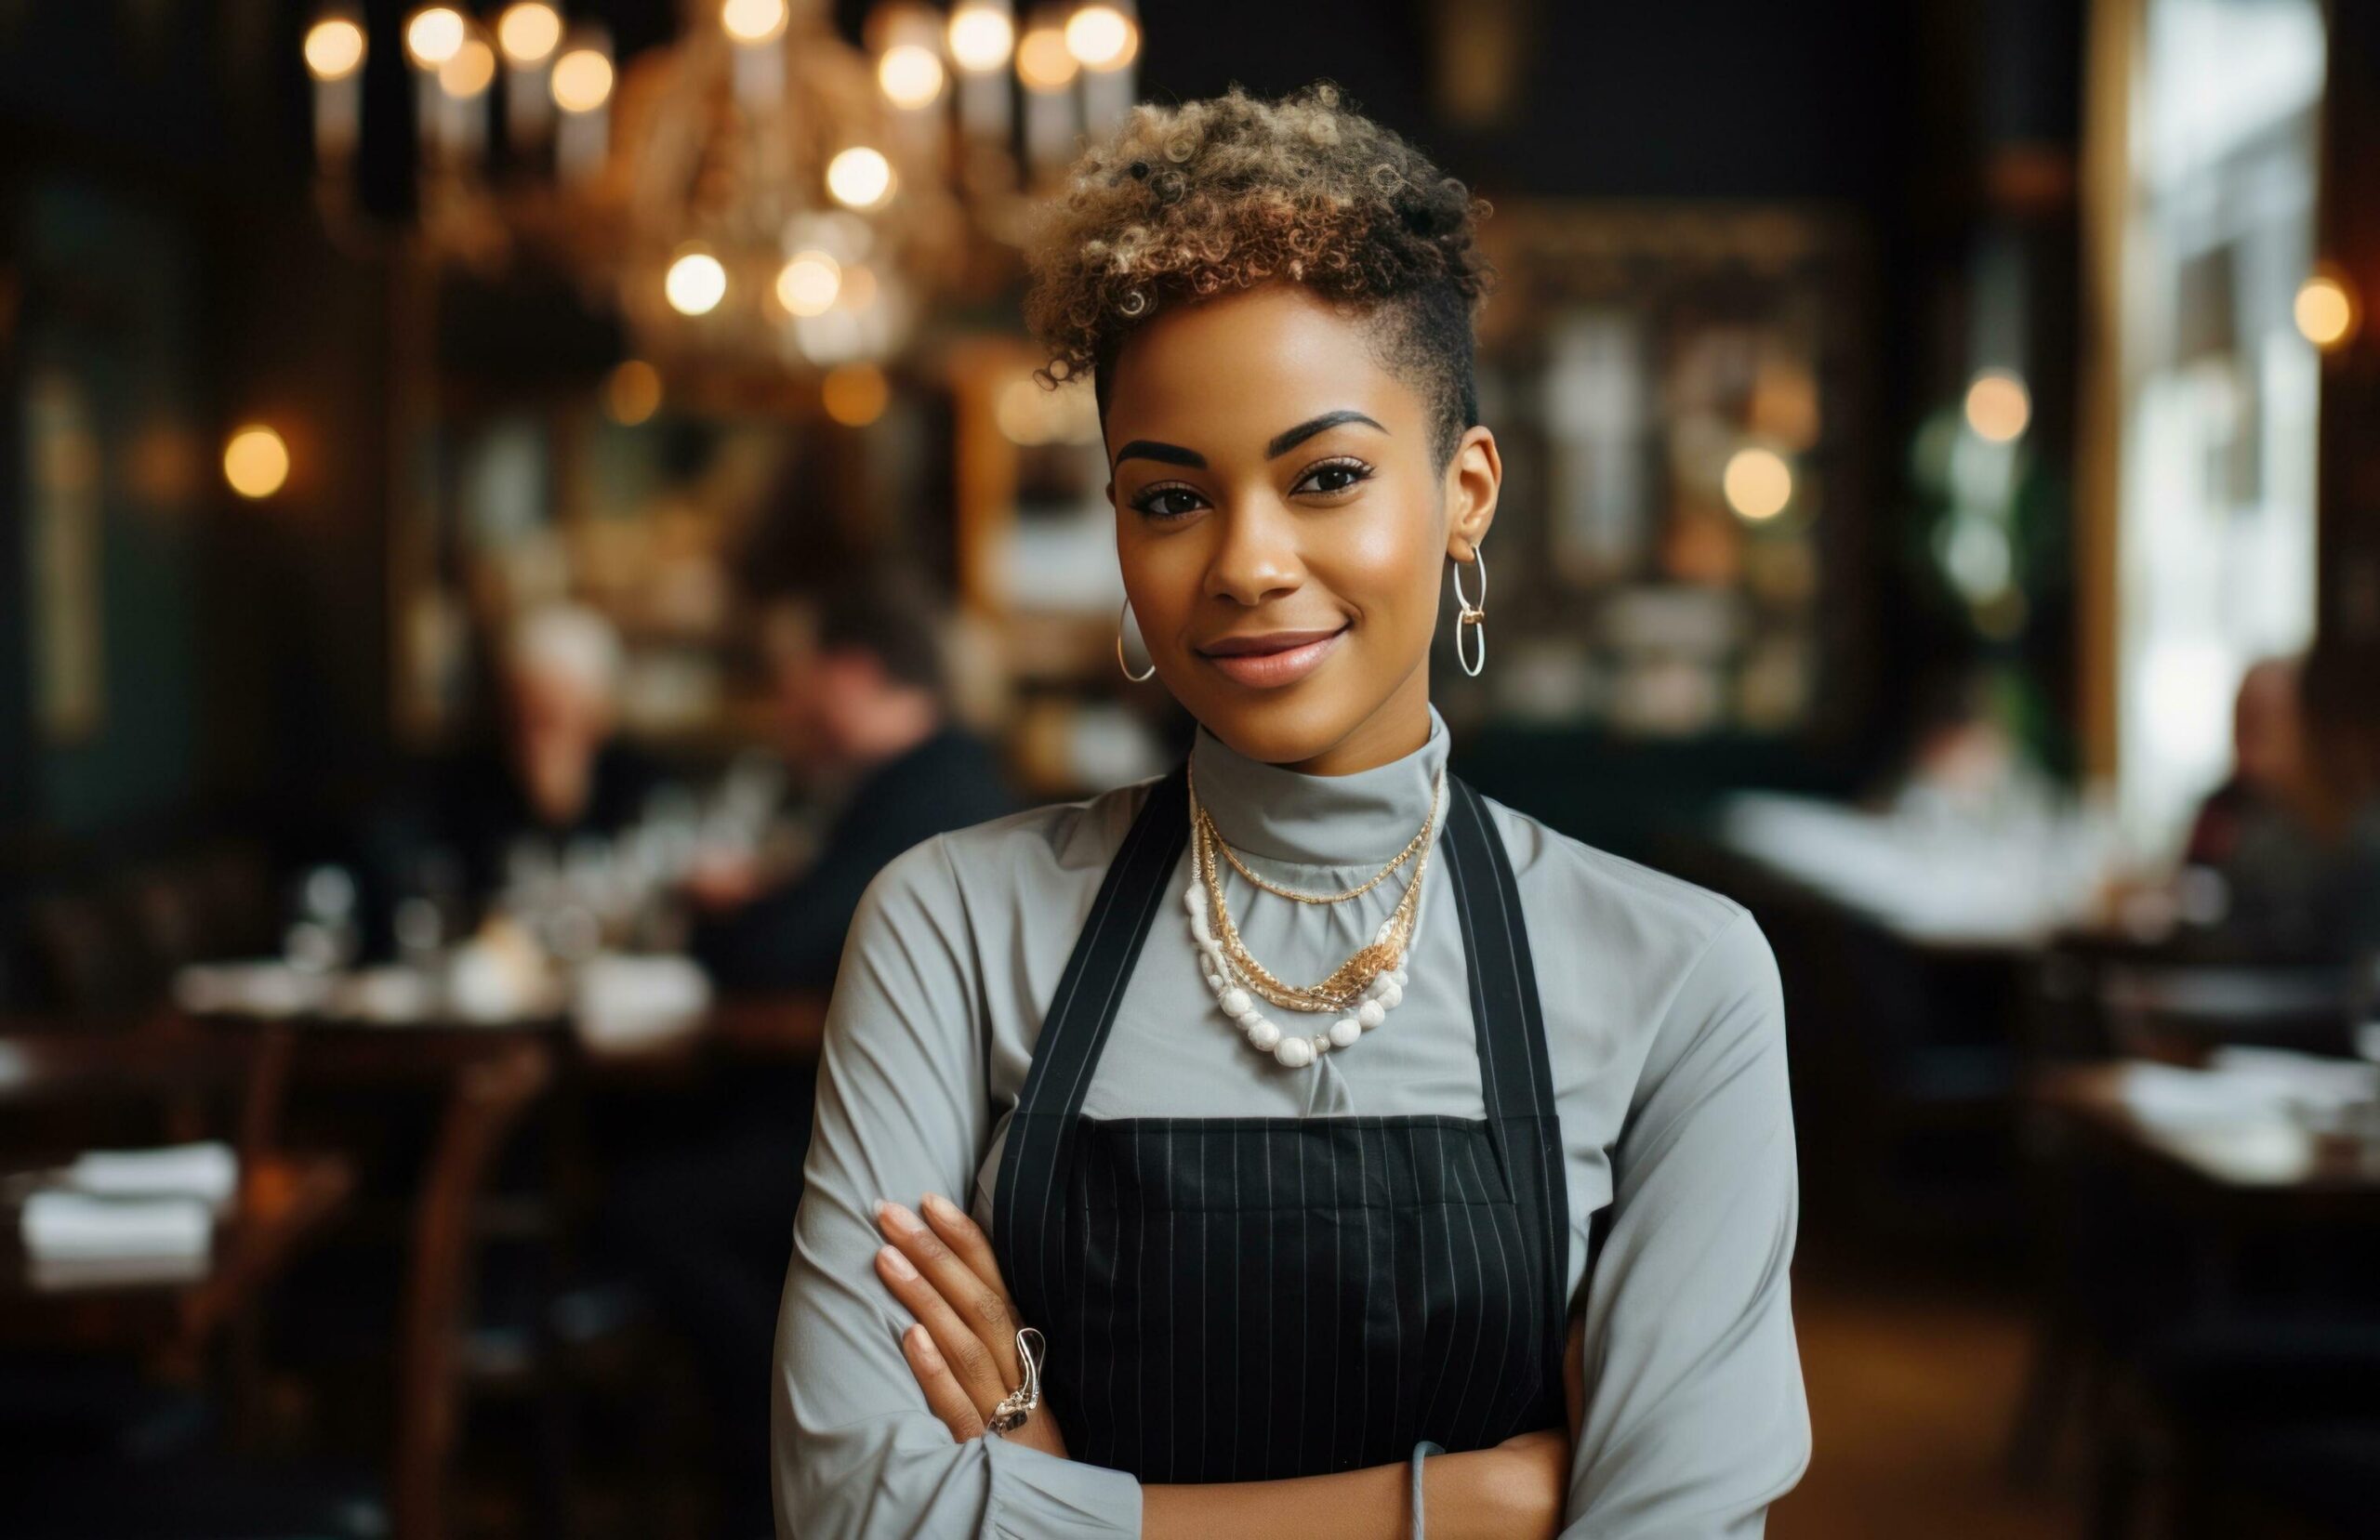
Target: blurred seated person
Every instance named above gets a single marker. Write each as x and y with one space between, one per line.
707 1225
2293 839
861 700
2268 763
556 771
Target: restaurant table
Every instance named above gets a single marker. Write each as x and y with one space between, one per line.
2153 1224
1940 884
2336 1171
2229 1181
43 1062
173 1319
174 1307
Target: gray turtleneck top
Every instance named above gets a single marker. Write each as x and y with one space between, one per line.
1667 1041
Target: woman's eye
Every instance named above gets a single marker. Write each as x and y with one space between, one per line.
1167 502
1333 475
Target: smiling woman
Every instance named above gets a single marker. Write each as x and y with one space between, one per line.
1284 542
1168 1283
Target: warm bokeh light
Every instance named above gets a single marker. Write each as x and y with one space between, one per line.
808 283
2325 312
981 38
910 74
529 31
582 80
334 50
1028 413
860 177
255 461
1998 406
1043 62
1758 483
1101 37
632 394
855 394
471 70
695 283
433 35
751 21
859 286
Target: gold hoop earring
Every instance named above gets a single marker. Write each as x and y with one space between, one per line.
1147 673
1471 618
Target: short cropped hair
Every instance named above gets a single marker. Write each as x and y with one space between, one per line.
1227 193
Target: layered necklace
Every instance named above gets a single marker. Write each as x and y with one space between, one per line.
1359 992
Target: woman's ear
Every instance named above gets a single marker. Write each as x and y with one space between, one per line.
1474 476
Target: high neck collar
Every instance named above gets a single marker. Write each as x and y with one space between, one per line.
1322 820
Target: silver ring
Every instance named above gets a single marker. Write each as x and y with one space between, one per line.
1025 1399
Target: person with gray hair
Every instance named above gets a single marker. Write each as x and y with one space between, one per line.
557 769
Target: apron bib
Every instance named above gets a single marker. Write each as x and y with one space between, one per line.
1233 1299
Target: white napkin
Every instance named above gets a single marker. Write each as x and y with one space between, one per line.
2304 1079
207 1172
2244 1085
60 1226
627 1002
2172 1097
262 989
393 995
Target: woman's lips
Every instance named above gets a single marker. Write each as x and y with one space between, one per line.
1271 660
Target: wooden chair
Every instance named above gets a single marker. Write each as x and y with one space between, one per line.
487 1100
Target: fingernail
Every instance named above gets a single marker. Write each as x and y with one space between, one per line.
902 1220
942 1207
895 1264
921 1341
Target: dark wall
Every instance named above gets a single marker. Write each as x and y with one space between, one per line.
158 243
1696 98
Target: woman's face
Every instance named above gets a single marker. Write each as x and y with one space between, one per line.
1282 528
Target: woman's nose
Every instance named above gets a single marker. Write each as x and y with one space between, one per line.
1256 560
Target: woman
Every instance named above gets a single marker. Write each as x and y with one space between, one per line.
1279 1236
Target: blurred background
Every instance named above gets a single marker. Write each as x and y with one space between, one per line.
515 512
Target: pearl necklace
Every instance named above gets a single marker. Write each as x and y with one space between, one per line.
1233 995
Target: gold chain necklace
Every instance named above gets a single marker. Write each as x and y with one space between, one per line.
1346 983
1346 986
1206 821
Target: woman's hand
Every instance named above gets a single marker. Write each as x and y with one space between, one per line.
1527 1485
963 1348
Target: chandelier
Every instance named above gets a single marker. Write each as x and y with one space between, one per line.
757 190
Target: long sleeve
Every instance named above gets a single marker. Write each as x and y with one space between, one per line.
1695 1417
902 1109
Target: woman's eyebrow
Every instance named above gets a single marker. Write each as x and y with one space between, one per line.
1290 439
1173 455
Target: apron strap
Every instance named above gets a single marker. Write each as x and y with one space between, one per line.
1074 1031
1516 1077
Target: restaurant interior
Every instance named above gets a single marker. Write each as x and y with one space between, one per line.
485 482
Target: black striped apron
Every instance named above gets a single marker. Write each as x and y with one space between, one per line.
1261 1297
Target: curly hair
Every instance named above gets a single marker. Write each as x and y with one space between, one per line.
1209 197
